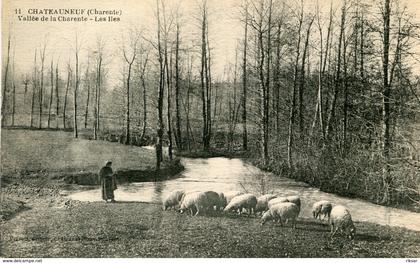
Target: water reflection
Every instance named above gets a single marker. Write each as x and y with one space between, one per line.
223 175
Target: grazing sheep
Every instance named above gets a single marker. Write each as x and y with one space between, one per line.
276 201
282 212
247 201
223 201
230 195
262 202
294 199
322 208
194 200
341 220
173 199
215 200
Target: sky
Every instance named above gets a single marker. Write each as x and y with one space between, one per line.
225 28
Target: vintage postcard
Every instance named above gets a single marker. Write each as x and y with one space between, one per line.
210 129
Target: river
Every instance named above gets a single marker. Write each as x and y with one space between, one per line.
223 174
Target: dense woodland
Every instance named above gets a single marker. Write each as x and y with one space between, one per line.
326 95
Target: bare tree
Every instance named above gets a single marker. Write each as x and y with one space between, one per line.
386 110
177 88
13 89
292 107
41 87
6 71
57 97
130 54
51 92
205 77
99 53
34 88
144 89
302 79
87 84
321 72
69 73
338 78
77 48
244 80
160 128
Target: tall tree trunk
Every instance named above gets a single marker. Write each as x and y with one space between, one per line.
98 94
41 87
87 81
6 71
168 67
276 78
338 80
189 135
13 89
321 71
127 112
34 87
266 98
292 108
346 95
160 128
76 87
244 83
66 94
262 84
362 47
302 80
57 98
51 93
177 92
208 88
203 77
386 110
13 101
143 84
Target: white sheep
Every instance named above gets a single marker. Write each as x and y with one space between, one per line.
294 199
262 202
173 199
282 212
322 208
230 195
247 201
276 201
341 220
194 200
215 199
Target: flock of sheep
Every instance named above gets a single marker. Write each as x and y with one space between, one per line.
269 206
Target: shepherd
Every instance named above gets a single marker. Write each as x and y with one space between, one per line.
108 182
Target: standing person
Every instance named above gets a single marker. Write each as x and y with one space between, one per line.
108 182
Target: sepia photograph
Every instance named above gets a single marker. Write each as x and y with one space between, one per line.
228 129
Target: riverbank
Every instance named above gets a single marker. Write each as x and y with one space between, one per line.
43 162
278 168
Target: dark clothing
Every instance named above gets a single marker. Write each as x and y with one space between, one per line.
108 182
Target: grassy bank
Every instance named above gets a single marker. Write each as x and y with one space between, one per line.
144 230
40 163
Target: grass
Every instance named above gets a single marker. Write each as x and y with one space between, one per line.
57 151
43 162
144 230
